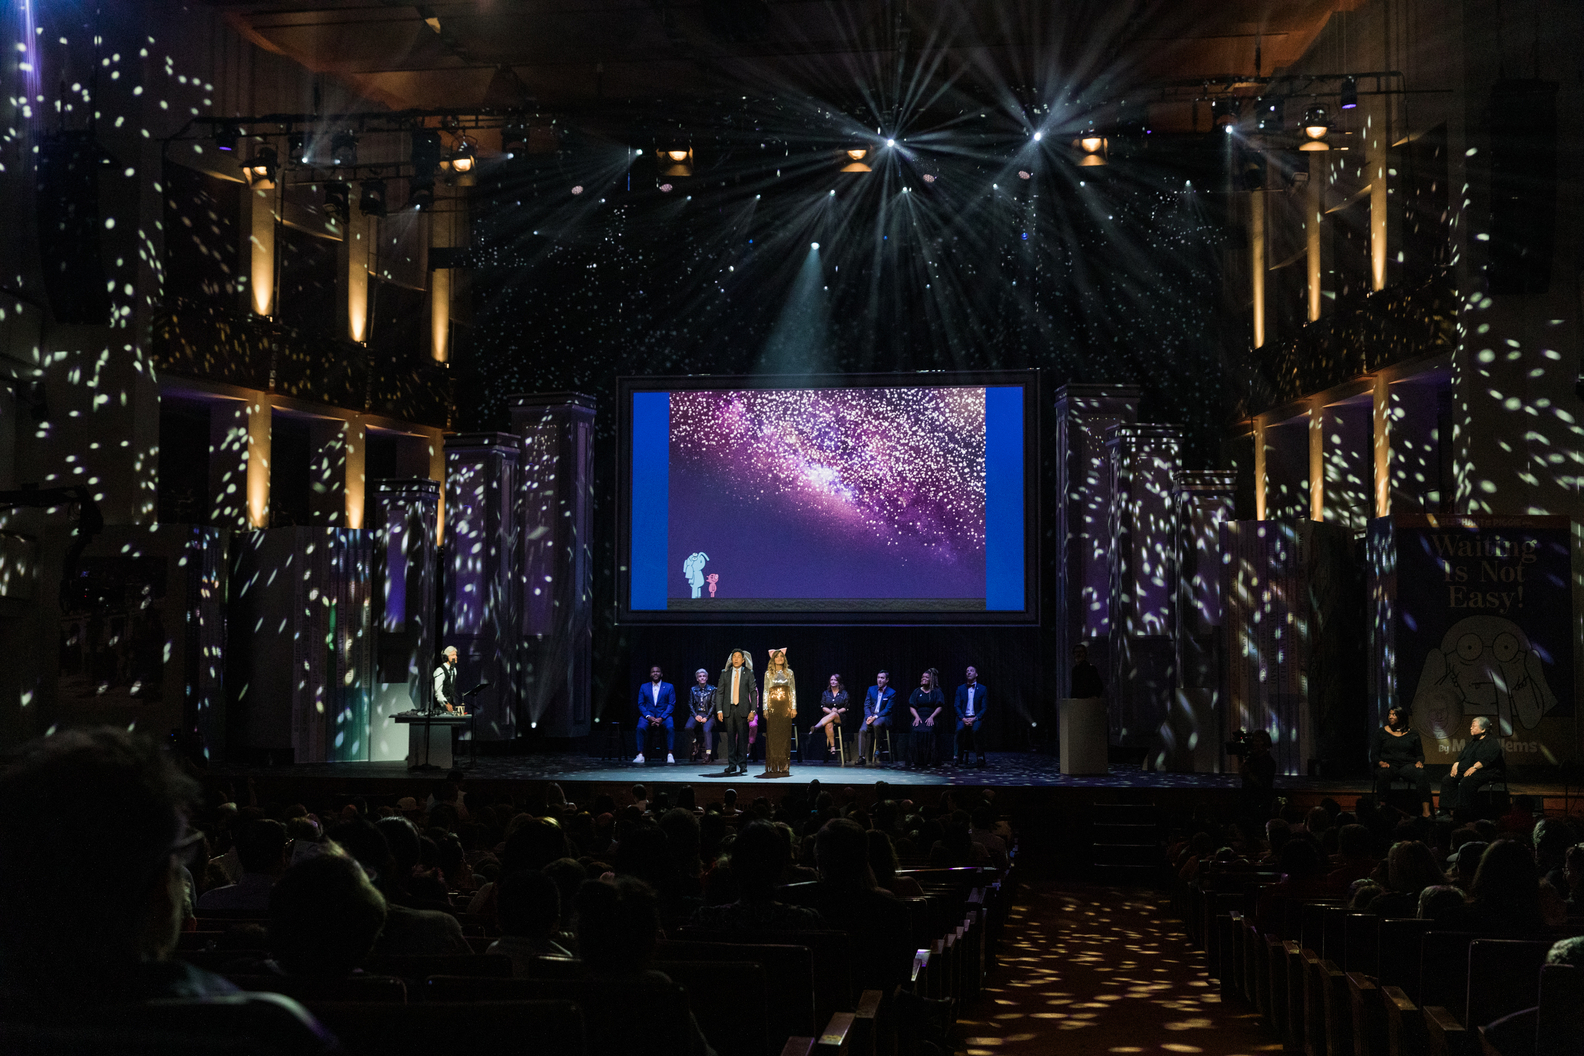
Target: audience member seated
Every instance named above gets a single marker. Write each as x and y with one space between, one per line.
1362 894
1410 868
324 917
1353 860
1573 873
261 847
645 854
848 900
883 861
410 883
408 932
1440 902
92 873
1515 1035
1465 860
529 907
956 846
1505 896
618 930
1303 869
759 856
1551 838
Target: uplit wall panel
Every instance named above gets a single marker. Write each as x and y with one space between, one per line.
1143 464
1083 518
555 519
481 583
404 512
1290 602
1192 738
301 645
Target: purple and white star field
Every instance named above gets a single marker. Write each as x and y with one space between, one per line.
829 493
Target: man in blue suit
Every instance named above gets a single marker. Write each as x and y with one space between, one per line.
877 716
656 705
970 715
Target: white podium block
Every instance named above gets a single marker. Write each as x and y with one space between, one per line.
1085 733
429 743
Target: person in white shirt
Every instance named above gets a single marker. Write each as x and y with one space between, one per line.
445 682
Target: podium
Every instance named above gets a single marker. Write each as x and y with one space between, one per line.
1085 735
429 738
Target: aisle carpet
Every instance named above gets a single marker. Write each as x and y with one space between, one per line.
1094 971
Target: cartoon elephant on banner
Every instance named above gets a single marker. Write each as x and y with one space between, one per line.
1485 666
693 569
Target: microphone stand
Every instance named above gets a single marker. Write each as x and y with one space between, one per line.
473 724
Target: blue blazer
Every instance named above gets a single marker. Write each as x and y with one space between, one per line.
648 708
877 704
979 695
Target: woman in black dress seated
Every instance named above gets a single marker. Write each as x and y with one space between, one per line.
1397 752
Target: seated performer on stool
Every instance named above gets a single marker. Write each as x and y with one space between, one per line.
656 703
1479 764
833 706
877 716
1396 751
701 717
970 716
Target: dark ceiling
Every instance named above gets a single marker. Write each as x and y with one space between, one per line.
563 53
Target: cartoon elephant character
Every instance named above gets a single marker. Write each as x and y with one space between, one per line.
1485 666
693 569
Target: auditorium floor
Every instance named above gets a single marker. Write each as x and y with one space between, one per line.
1096 971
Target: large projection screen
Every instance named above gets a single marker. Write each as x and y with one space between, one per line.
853 498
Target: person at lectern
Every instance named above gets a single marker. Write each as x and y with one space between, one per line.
1085 676
445 681
780 708
736 697
701 715
656 704
1396 751
971 700
1480 763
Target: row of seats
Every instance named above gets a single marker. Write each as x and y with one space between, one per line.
794 992
1330 982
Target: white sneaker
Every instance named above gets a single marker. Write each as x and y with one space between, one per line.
670 758
638 758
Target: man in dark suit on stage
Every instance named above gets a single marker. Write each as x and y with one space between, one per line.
970 716
1480 763
736 698
656 707
877 716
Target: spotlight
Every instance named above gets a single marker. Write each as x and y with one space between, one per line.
297 147
813 245
425 163
1024 174
1316 125
855 162
1227 111
227 135
338 200
1038 135
371 200
463 158
1349 92
578 189
263 166
1271 114
929 177
666 188
1093 145
343 149
890 142
676 160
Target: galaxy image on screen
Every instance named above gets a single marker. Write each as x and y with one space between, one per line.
860 493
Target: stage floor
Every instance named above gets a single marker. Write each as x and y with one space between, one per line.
1005 770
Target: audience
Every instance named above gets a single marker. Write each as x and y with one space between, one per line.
408 932
847 899
261 848
883 862
529 906
324 917
1410 868
758 858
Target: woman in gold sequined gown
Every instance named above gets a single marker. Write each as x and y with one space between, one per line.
780 708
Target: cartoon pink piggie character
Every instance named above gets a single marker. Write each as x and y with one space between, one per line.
713 578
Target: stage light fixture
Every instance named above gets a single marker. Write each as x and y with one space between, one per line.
813 245
1092 146
338 200
1091 143
1227 111
263 166
1271 114
371 199
676 160
855 159
1316 126
343 148
297 147
929 177
857 154
666 188
1024 174
464 157
1349 93
425 163
890 142
1038 135
226 136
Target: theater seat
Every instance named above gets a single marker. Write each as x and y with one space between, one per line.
482 1028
